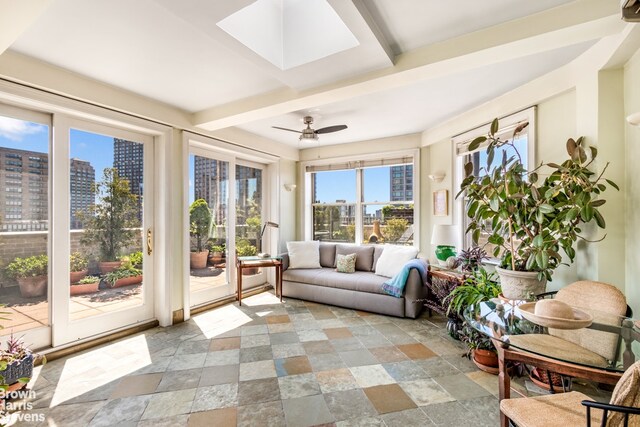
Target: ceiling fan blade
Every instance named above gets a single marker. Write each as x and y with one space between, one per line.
290 130
330 129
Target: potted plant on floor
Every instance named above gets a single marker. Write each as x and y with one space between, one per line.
481 349
31 275
124 275
86 285
529 219
216 253
200 220
112 224
78 264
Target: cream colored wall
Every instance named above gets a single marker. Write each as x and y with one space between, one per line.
632 182
288 206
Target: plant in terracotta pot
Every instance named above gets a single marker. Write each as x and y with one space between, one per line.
78 267
245 248
31 275
124 275
481 349
200 220
86 285
530 220
216 252
112 224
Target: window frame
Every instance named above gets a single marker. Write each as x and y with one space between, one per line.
461 157
413 157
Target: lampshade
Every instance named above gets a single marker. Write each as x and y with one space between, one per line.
445 235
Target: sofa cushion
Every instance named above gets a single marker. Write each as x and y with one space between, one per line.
364 255
304 254
327 254
377 251
360 281
346 263
393 258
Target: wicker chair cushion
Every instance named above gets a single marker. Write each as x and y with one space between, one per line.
626 393
555 410
605 303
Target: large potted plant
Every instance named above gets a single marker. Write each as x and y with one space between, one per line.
78 264
31 275
112 224
531 220
200 220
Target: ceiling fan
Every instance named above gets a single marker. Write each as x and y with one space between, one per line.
309 133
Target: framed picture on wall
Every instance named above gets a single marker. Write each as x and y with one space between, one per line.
440 203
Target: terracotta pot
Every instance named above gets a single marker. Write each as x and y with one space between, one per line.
520 285
250 271
486 357
126 281
199 259
108 266
85 288
76 276
215 258
31 287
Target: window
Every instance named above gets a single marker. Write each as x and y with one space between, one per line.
478 158
367 201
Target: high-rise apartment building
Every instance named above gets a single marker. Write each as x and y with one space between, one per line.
210 183
83 176
128 160
24 203
401 182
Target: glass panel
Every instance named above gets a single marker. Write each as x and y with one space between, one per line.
208 200
334 223
334 187
106 202
24 224
248 213
388 183
388 223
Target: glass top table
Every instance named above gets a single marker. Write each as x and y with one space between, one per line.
611 343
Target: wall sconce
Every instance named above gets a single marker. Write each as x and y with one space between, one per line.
437 176
290 187
634 119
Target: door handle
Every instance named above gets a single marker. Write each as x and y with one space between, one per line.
149 241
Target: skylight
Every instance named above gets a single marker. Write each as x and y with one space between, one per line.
289 33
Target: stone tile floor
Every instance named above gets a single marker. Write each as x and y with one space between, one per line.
270 364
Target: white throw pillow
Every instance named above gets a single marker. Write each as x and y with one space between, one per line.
393 258
304 254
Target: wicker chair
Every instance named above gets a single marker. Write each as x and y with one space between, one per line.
565 410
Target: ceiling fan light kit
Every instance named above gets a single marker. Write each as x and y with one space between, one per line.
309 132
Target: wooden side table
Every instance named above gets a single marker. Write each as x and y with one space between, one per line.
243 262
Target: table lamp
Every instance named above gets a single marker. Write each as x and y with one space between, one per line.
264 227
445 238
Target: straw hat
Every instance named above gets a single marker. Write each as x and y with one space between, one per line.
555 314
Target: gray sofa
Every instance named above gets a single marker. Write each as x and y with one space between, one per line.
361 290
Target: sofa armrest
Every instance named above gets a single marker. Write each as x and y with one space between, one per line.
285 261
415 292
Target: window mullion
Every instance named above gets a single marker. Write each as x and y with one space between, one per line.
359 207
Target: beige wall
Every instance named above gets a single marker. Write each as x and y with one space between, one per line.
632 181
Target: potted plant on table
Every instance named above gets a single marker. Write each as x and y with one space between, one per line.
86 285
112 224
200 220
78 267
529 219
31 275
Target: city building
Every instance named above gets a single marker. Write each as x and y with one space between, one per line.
401 182
25 175
211 184
128 160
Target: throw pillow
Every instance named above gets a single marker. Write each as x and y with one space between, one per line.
626 393
393 258
346 263
304 254
364 259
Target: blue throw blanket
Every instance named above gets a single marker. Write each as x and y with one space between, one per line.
395 285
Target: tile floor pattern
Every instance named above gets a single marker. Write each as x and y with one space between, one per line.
272 364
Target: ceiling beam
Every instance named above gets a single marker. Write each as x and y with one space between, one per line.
565 25
16 17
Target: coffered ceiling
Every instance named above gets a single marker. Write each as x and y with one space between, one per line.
416 62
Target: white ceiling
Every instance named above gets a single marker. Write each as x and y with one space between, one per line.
174 52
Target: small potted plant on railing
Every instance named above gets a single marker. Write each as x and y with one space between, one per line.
124 275
86 285
78 264
200 220
31 275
